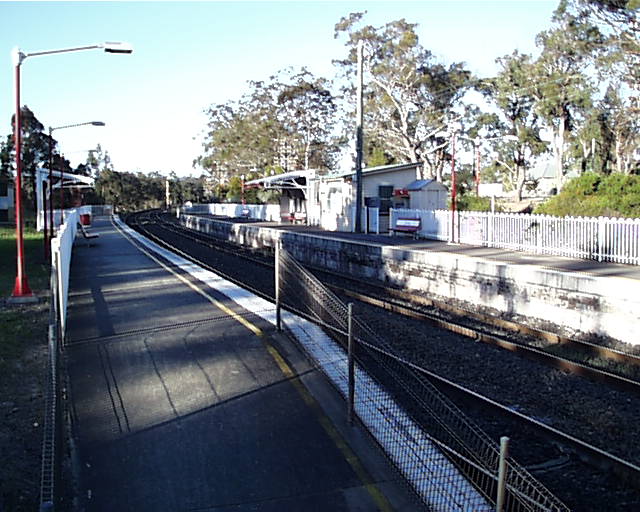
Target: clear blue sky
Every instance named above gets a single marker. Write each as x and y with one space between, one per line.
189 55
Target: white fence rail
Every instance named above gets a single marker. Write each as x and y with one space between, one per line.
61 247
93 210
266 212
594 238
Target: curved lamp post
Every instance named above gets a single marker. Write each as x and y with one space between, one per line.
48 235
21 290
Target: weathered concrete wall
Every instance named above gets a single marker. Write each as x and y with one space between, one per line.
579 303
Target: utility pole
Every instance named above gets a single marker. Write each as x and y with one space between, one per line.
167 194
359 141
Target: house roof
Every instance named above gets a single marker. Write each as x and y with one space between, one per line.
419 184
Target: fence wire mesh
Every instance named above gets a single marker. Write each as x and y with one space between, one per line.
52 431
447 459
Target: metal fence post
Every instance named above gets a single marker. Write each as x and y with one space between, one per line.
502 473
351 363
277 284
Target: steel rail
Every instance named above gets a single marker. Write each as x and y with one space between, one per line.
525 350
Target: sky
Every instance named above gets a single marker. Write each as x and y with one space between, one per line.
190 55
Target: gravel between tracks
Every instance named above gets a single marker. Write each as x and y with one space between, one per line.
589 411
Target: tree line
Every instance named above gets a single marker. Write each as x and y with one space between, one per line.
577 102
128 191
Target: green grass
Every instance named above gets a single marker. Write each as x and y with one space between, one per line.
35 268
17 322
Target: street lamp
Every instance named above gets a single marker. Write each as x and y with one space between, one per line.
21 290
51 130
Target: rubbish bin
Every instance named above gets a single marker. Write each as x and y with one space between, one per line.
85 219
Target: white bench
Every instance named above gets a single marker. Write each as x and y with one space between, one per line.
86 235
407 225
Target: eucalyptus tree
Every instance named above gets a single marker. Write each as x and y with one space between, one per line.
513 131
35 151
241 134
619 22
306 110
411 99
284 122
563 88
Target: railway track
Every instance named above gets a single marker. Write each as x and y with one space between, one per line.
398 302
597 362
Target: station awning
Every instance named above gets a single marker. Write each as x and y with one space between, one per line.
288 180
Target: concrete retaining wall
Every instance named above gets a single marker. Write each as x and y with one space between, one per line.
578 303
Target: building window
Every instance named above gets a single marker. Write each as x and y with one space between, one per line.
4 215
385 191
4 189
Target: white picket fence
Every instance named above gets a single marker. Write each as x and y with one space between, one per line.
596 238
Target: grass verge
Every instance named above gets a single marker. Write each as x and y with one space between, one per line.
23 364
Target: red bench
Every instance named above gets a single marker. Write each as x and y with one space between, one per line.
407 225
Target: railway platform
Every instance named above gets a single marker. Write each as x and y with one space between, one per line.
182 400
549 262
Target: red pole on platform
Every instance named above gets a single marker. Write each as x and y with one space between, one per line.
51 183
61 160
476 147
21 289
453 187
45 230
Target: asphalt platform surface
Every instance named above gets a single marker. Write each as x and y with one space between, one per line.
177 406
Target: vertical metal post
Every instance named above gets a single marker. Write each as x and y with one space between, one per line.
277 284
61 162
50 186
21 289
502 473
351 363
359 141
45 230
453 188
476 148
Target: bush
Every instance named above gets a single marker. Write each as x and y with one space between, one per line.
473 203
593 195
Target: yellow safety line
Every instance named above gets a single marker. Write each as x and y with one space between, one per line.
378 497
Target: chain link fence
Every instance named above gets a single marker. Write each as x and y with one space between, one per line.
448 460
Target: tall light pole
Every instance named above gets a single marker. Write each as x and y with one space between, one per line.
50 187
21 290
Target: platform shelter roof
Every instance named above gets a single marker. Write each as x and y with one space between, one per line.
286 180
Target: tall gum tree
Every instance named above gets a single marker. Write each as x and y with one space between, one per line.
514 130
285 121
412 99
563 89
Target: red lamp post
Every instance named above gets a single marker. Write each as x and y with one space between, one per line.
21 290
453 187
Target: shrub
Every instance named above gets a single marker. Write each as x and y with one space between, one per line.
593 195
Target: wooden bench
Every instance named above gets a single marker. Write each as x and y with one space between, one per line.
86 235
407 225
